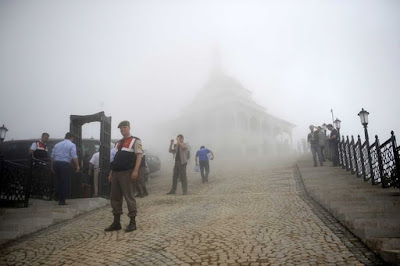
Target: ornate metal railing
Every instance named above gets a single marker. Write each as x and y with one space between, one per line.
42 180
14 184
377 162
25 179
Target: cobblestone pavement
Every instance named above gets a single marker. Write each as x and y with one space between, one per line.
254 217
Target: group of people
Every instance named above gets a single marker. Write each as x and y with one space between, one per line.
318 139
127 172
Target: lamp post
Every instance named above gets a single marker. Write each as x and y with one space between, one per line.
3 131
364 121
363 114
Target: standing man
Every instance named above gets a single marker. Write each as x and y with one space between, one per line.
333 142
203 155
63 153
38 148
315 148
94 168
124 172
181 152
322 141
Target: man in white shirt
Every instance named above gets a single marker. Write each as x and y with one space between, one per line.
94 168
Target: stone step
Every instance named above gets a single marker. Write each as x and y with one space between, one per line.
383 223
392 257
366 233
388 243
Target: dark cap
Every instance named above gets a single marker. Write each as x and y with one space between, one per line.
124 123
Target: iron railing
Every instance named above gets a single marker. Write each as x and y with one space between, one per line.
377 163
25 179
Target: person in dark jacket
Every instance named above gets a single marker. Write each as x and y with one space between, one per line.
333 142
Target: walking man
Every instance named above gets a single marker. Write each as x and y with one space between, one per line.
203 155
124 172
63 153
181 152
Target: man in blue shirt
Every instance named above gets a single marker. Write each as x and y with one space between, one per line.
203 155
63 153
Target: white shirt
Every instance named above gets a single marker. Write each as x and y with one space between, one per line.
95 160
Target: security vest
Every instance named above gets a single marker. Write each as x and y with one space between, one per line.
41 150
125 157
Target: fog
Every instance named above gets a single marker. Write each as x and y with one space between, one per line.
145 61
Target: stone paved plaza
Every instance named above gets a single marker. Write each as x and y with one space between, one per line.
253 215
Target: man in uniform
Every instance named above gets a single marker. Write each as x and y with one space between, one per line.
125 171
38 148
63 153
181 152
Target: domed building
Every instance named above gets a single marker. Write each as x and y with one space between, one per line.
224 117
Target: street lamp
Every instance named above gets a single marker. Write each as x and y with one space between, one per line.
364 121
363 114
3 131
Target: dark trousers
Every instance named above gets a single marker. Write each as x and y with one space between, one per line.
316 149
335 154
140 185
179 172
204 165
63 171
122 187
322 153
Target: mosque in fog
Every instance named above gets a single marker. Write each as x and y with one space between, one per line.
224 117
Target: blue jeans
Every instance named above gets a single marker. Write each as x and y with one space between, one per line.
316 149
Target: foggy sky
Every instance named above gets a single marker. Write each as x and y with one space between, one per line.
145 60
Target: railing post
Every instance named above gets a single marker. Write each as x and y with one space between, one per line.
363 174
396 174
352 146
342 148
379 156
28 183
347 154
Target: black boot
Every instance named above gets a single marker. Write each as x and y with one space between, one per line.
132 225
116 225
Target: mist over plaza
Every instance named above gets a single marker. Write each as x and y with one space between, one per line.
155 62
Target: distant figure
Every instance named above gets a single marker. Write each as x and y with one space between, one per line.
204 155
39 149
94 169
333 142
322 141
312 138
182 154
63 153
124 172
140 184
